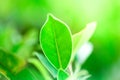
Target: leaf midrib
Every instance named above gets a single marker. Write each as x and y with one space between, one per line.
56 44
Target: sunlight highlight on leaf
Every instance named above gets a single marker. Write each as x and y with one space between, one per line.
83 36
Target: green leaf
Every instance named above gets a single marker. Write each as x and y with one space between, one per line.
3 77
40 68
83 36
29 73
62 75
27 44
6 72
47 65
11 62
56 42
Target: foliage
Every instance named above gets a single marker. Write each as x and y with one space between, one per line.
21 20
27 60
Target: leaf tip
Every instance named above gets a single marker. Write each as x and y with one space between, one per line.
50 16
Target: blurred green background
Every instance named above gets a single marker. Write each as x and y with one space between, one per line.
21 20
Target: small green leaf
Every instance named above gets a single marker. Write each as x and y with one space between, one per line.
6 72
40 67
11 62
62 75
83 36
29 73
27 45
47 65
3 77
56 42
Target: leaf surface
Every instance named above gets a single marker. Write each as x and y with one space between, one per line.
3 77
62 75
29 73
11 62
40 68
56 42
83 36
47 65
